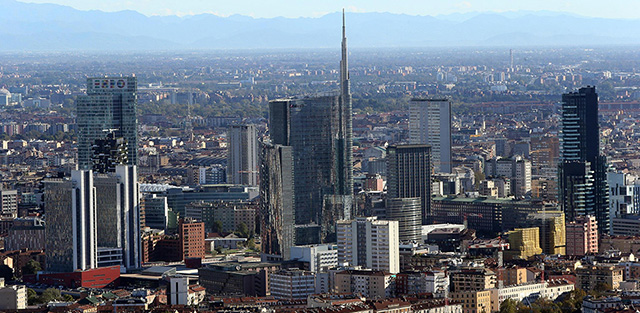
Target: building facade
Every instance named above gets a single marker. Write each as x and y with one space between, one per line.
108 107
409 175
292 284
582 172
71 242
277 200
430 124
582 236
370 243
408 213
242 155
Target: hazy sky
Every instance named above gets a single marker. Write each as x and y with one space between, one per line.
314 8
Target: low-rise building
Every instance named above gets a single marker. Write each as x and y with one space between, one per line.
474 279
369 284
473 301
12 297
291 284
589 277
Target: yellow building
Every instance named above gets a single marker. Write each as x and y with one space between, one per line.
552 231
524 242
473 301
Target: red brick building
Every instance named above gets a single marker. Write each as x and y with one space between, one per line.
191 237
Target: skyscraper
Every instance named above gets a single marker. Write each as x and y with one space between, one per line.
430 124
582 171
277 200
242 155
319 131
108 107
71 233
409 175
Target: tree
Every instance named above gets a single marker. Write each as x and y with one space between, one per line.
32 267
217 226
509 306
32 297
251 244
6 272
242 230
50 294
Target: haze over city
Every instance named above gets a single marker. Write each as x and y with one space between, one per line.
334 156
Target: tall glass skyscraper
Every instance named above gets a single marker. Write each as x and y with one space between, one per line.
319 131
582 172
108 107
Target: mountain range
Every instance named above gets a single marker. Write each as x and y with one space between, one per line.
50 27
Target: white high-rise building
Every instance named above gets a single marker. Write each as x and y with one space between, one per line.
430 124
242 157
517 169
370 243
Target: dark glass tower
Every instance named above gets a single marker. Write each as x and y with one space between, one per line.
319 131
409 175
109 107
582 181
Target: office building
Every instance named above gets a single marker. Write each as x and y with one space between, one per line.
9 203
320 258
582 171
26 233
156 211
582 236
516 169
408 213
625 226
369 243
486 216
191 234
108 108
292 284
238 278
118 212
319 131
277 200
242 155
71 241
430 124
409 175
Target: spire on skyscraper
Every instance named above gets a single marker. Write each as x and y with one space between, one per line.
345 91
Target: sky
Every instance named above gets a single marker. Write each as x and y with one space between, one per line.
315 8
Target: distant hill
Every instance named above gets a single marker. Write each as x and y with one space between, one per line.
28 26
